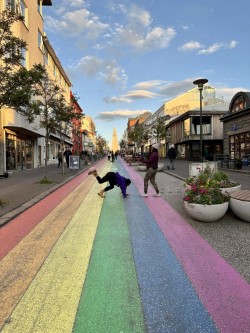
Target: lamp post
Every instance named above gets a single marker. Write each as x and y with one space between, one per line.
200 83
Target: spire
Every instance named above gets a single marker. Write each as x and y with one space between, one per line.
115 145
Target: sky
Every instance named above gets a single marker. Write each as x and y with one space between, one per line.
126 57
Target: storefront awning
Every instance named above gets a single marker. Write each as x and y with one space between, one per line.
22 132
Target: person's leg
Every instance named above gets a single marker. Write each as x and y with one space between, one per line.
168 163
146 179
172 164
153 182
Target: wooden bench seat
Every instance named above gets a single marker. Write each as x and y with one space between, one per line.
243 195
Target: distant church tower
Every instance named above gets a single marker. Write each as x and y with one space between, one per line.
115 145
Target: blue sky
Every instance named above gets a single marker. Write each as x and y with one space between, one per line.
127 57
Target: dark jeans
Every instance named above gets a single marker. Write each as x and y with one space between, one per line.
109 177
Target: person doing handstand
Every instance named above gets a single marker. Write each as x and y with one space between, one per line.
114 178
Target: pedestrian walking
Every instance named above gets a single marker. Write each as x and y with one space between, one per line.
152 166
171 154
67 154
59 157
114 178
109 155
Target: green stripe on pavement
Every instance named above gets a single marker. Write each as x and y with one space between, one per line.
110 301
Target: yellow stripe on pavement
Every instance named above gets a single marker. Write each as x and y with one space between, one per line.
50 303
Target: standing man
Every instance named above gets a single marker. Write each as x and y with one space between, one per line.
152 166
59 156
67 154
171 154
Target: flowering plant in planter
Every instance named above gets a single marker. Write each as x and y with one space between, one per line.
223 179
204 190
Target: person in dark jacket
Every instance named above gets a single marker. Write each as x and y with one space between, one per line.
152 166
67 154
171 154
114 178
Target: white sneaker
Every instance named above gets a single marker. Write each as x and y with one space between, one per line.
157 195
145 195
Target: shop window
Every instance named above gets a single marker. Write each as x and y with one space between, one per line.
206 125
186 127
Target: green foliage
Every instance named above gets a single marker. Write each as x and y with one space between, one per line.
205 188
159 129
46 181
101 144
139 135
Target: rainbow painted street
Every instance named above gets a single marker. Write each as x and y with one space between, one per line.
75 262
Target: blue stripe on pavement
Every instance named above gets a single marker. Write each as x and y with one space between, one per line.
170 303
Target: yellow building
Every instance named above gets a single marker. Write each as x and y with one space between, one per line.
22 141
89 134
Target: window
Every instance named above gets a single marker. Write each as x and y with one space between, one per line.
40 40
186 127
24 60
23 11
206 125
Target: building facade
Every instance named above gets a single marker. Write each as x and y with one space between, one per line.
236 127
22 144
184 132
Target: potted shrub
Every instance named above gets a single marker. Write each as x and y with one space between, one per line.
203 199
225 184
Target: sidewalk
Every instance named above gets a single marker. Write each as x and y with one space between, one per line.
22 188
75 263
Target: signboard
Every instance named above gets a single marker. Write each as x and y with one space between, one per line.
196 168
74 162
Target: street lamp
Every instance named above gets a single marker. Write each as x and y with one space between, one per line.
200 83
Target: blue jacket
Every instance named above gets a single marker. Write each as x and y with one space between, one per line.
121 182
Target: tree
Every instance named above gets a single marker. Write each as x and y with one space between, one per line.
47 102
139 135
158 130
101 144
14 79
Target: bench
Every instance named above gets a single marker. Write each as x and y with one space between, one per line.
240 204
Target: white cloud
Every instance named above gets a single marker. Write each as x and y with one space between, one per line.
228 93
149 84
77 22
119 114
104 69
190 46
131 96
211 49
171 90
195 45
232 44
137 16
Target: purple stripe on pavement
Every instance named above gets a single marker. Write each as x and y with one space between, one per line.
224 293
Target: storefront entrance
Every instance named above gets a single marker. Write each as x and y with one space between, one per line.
19 153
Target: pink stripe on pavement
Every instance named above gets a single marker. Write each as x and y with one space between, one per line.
14 231
224 293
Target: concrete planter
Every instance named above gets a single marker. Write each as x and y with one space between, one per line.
241 209
160 166
206 213
141 167
229 190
